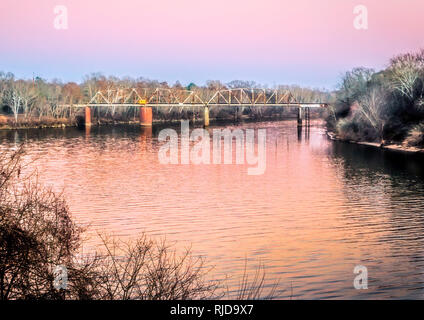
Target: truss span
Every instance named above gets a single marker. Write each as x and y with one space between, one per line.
165 97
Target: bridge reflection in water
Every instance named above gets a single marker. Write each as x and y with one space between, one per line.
320 208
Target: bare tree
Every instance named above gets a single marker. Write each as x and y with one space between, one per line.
372 108
406 71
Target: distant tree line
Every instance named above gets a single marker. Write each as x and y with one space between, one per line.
40 101
385 106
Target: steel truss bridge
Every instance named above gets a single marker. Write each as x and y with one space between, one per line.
164 97
146 99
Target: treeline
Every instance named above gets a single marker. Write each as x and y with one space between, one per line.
35 101
385 106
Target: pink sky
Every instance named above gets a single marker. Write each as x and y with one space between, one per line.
309 42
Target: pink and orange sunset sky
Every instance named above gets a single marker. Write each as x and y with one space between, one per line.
305 42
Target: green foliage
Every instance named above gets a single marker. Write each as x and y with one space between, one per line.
191 86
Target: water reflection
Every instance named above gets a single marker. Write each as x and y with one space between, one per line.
384 194
320 208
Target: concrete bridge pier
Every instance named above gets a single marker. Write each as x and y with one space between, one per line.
206 116
87 132
87 117
146 116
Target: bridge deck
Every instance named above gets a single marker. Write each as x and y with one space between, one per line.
167 105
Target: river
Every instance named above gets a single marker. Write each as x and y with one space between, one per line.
319 209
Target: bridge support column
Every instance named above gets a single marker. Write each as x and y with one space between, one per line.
87 116
236 114
146 116
299 116
308 116
206 116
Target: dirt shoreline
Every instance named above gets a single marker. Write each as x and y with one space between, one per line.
60 125
388 146
72 124
66 123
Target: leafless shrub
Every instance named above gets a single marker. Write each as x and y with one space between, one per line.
145 269
255 289
37 234
415 136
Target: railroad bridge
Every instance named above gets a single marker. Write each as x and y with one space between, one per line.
148 98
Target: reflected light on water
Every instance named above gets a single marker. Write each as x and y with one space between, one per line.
320 209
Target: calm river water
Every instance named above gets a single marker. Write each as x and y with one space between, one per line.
320 209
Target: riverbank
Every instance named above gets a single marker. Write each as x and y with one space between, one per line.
8 123
387 145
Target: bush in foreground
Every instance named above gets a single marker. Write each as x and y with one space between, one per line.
37 235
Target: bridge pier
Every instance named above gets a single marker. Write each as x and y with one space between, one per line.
236 114
206 116
87 117
299 116
146 116
299 133
308 116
